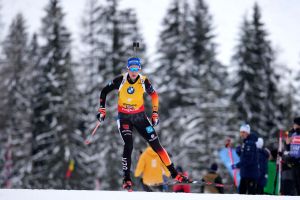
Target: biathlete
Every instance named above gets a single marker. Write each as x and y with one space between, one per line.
131 113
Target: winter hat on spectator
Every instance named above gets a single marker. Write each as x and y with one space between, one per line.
245 128
214 167
260 143
297 121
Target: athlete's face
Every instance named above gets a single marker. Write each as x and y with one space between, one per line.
133 71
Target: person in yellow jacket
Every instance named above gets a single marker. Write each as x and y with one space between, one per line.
152 169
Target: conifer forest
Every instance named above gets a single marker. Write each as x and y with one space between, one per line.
50 91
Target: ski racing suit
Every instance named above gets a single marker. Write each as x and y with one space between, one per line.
131 115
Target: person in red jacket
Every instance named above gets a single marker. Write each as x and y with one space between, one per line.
182 188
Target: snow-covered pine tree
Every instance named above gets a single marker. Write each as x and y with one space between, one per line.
295 85
2 105
34 52
53 103
110 33
171 72
123 31
91 50
30 75
205 118
193 94
255 91
16 102
80 177
2 115
1 22
169 48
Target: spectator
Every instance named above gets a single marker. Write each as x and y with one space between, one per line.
271 182
248 164
152 170
263 157
293 156
212 177
287 179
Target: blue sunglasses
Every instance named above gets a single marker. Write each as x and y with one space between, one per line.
134 69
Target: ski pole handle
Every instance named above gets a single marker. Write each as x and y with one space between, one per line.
136 46
90 137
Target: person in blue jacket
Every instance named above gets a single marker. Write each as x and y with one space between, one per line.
263 158
248 164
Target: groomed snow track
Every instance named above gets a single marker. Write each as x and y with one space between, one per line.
22 194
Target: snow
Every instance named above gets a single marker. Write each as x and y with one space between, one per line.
22 194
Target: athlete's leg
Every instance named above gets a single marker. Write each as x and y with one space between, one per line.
146 130
125 129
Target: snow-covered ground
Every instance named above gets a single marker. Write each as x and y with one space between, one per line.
13 194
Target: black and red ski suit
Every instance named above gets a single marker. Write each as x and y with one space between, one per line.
131 115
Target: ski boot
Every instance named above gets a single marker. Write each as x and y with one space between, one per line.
127 185
181 178
176 175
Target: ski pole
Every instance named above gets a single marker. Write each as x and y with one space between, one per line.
228 145
135 46
232 162
212 184
90 137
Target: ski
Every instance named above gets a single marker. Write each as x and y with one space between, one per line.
128 189
195 182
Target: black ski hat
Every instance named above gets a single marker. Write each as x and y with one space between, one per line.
297 121
214 167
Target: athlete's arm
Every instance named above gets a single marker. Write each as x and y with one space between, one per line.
154 96
113 85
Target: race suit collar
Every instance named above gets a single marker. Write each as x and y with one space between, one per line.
130 81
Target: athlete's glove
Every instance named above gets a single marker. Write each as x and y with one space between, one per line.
101 114
155 118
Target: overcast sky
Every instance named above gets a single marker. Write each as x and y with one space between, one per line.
281 18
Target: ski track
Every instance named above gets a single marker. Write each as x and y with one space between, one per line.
23 194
